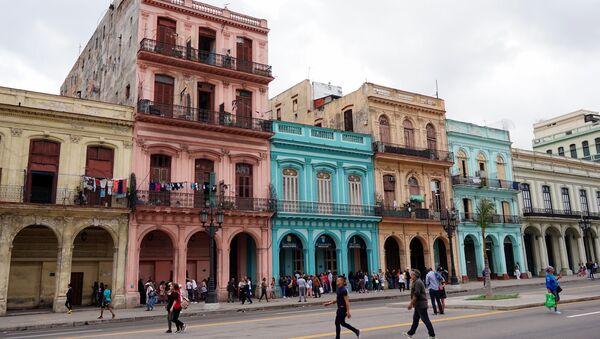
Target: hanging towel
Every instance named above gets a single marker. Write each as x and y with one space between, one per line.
109 187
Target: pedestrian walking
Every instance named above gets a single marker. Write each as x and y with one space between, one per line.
517 271
272 289
317 286
418 302
553 287
69 302
176 308
263 290
343 308
150 295
301 288
407 278
106 298
401 281
230 290
170 300
247 293
432 282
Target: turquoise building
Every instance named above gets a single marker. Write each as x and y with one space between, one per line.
483 170
326 218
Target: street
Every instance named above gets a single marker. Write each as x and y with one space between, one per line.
376 319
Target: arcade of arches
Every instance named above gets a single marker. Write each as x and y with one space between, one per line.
402 252
40 255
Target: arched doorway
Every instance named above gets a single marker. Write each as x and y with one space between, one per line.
417 255
291 255
470 257
392 254
571 239
532 254
357 255
509 256
156 257
441 257
325 254
242 258
198 258
31 282
489 250
93 251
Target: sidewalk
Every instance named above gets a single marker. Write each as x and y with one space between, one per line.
87 316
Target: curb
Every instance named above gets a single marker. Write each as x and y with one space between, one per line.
522 306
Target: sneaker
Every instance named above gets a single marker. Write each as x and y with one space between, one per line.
69 312
100 317
558 312
358 334
406 335
113 316
169 331
183 328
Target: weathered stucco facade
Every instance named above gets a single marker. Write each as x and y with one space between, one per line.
52 231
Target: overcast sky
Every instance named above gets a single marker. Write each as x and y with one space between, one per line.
507 59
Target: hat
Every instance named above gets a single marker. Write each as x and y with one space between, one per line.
549 268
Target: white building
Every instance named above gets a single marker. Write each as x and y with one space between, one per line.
557 194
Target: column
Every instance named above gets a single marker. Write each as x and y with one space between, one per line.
119 267
501 270
564 261
133 260
582 255
180 254
341 256
597 246
310 253
222 269
276 264
63 271
5 255
460 257
405 252
543 251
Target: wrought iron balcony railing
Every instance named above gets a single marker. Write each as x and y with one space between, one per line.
313 207
401 212
485 182
204 116
431 154
176 199
553 213
496 219
62 196
204 57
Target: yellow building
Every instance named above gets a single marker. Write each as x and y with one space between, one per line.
412 179
55 228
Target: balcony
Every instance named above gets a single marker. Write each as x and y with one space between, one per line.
552 213
188 57
203 116
496 218
480 182
418 213
430 154
198 200
64 196
320 208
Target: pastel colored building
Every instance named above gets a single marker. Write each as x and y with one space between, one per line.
483 170
54 230
198 76
325 220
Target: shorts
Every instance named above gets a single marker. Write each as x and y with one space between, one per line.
106 304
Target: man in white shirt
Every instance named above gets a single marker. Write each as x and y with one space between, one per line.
301 288
194 291
330 278
432 282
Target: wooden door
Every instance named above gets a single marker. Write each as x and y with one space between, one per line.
166 36
164 87
384 130
389 189
244 109
348 121
160 172
99 164
202 170
206 103
77 285
42 171
244 54
244 189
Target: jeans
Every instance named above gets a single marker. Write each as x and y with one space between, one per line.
68 304
169 319
283 291
230 296
176 320
435 298
263 293
302 294
317 292
421 313
340 320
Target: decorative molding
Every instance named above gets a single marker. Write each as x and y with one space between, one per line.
16 132
127 144
75 138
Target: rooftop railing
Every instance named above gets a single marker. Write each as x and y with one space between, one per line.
431 154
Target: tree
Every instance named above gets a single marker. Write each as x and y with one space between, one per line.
485 212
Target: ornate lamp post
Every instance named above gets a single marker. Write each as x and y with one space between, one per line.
585 225
209 212
448 220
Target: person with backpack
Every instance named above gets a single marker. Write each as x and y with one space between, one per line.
442 276
432 282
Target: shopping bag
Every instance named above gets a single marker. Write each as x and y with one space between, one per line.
550 300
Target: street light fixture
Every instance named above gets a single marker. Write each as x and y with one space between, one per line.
448 219
585 225
208 215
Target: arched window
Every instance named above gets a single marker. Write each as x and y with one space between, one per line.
500 168
431 137
561 151
389 190
573 150
463 163
355 189
42 171
384 129
324 187
525 188
290 184
481 164
409 134
413 186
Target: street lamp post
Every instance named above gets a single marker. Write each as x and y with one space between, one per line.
209 212
585 225
448 220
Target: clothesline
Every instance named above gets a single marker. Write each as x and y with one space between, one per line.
105 186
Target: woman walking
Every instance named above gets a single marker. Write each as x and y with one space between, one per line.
176 308
553 287
272 290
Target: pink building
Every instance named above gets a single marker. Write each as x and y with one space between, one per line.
198 76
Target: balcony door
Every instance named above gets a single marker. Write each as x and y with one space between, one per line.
206 45
243 101
164 87
202 171
42 171
206 102
244 54
384 130
160 172
99 164
166 36
243 186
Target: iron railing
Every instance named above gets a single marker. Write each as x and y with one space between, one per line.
205 57
431 154
496 218
198 200
554 213
62 196
204 116
485 182
313 207
401 212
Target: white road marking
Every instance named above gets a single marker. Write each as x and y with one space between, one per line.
583 315
20 336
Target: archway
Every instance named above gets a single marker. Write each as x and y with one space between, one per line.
198 258
33 264
243 258
470 257
291 255
156 257
489 250
509 256
552 237
571 239
357 255
441 256
325 255
93 251
417 255
392 254
532 251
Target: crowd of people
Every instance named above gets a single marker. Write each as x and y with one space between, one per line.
588 269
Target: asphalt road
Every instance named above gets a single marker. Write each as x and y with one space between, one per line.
375 319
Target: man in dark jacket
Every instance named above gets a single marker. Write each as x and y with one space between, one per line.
418 301
170 301
230 290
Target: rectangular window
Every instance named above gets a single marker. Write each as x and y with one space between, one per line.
561 151
566 200
584 201
586 149
598 199
526 198
279 114
547 198
355 193
573 150
295 105
597 141
348 121
549 151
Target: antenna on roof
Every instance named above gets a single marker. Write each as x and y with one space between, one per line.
436 89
